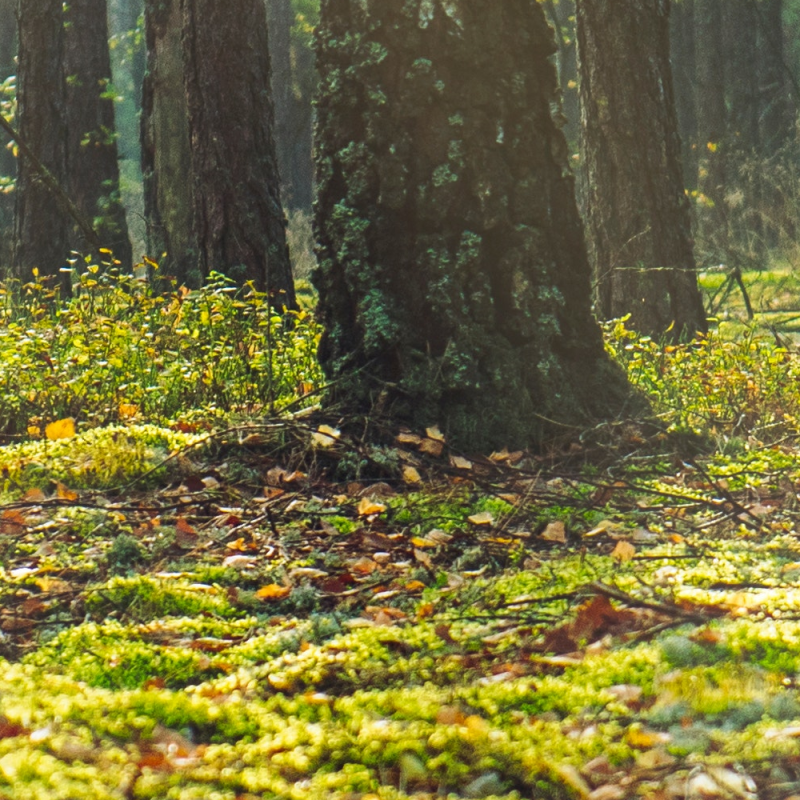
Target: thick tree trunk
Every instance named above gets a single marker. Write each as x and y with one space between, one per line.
638 223
92 168
166 159
453 279
41 228
238 218
684 64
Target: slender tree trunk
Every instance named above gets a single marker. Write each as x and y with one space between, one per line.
166 158
638 223
280 17
684 64
453 280
92 168
8 164
41 228
741 55
711 122
238 218
302 127
776 105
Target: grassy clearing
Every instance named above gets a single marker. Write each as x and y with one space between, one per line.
195 604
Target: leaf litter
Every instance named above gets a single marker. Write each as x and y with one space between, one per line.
480 626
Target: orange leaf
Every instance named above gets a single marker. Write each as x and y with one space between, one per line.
63 493
62 429
369 507
273 592
624 551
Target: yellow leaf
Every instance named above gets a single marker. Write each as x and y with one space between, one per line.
435 434
415 586
325 436
127 410
369 507
482 518
34 430
273 592
62 429
411 476
624 551
63 493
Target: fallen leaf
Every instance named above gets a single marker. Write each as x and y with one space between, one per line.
460 463
406 438
273 592
127 410
367 507
423 558
414 586
435 434
482 518
431 447
62 429
34 496
624 551
555 532
411 476
325 436
63 493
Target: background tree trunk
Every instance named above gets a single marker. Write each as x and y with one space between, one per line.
92 168
41 228
684 63
302 124
166 159
8 164
238 218
776 104
280 18
638 223
453 281
711 123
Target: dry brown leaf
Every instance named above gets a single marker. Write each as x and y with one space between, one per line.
34 496
482 518
431 447
423 558
555 532
624 551
460 463
408 438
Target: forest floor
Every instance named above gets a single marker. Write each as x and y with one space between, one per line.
243 605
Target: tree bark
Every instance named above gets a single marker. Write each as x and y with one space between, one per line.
92 168
41 227
238 219
453 280
684 64
166 158
776 107
638 223
711 122
8 164
741 57
280 18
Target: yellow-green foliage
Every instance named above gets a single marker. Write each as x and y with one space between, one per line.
718 385
96 458
117 350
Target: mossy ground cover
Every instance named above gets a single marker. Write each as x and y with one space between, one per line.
227 601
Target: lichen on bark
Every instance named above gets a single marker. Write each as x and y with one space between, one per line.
453 279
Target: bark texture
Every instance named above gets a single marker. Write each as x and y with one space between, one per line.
280 17
453 279
711 120
742 54
238 219
166 159
684 63
41 228
638 223
92 168
777 107
8 164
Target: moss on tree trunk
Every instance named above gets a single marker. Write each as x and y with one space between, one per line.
453 278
